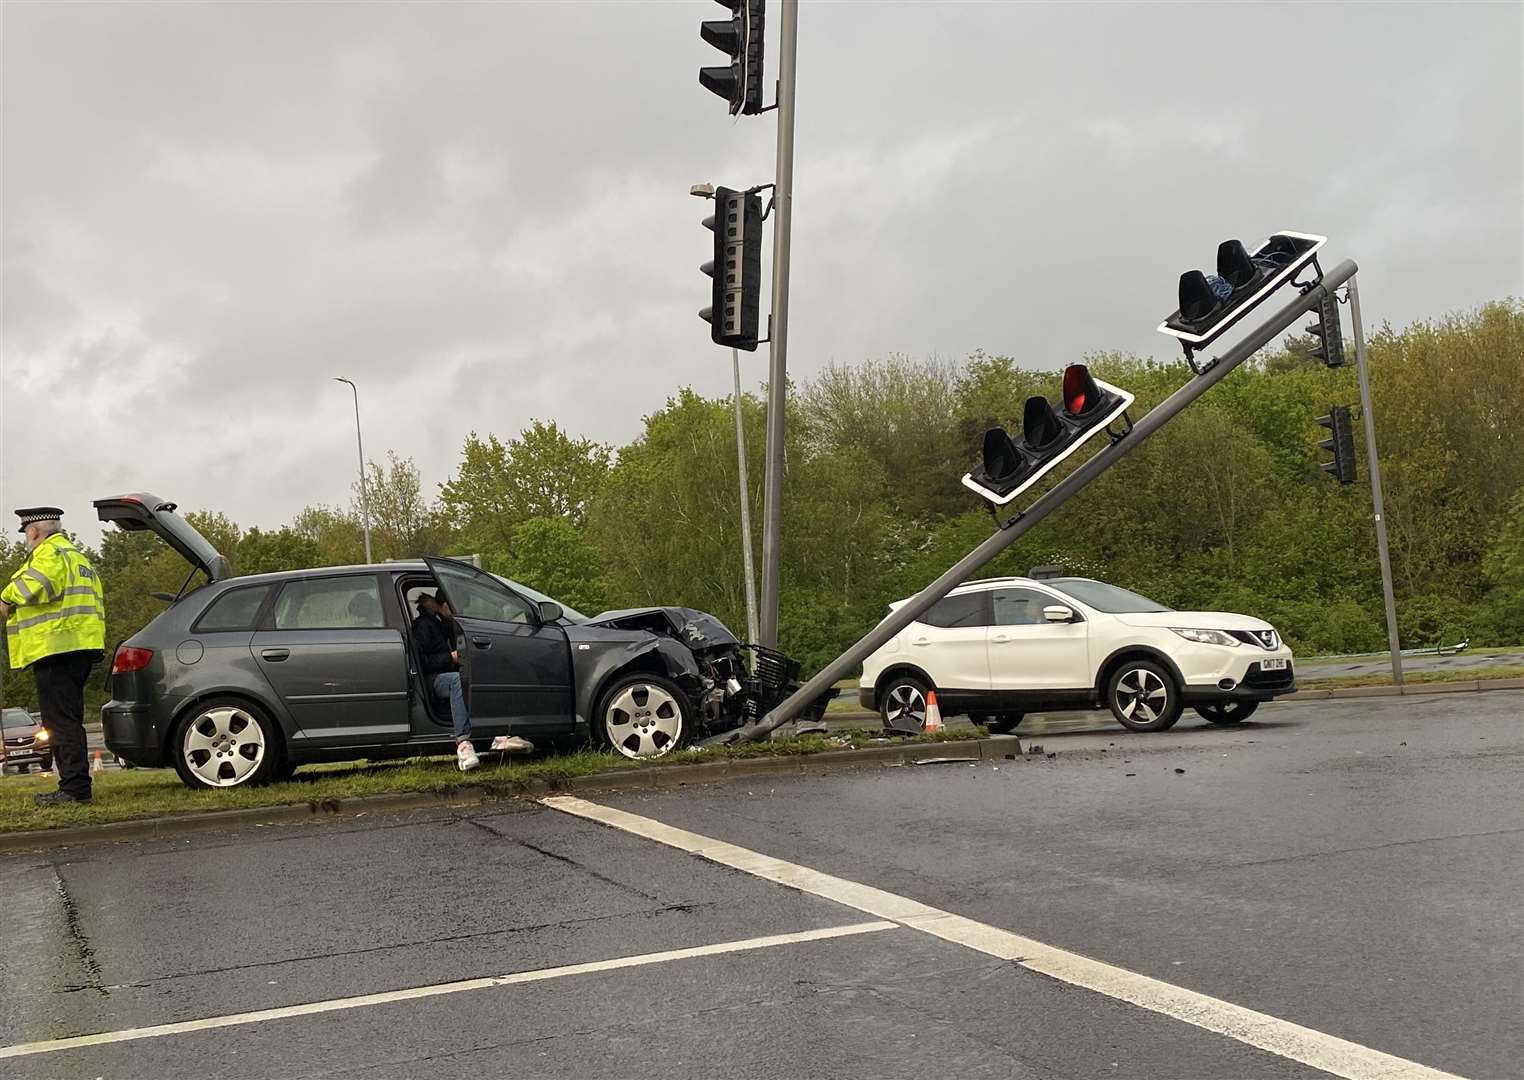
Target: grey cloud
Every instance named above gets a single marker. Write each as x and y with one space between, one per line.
480 211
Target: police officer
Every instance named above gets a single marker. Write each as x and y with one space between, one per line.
55 621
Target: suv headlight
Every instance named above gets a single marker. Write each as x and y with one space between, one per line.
41 736
1206 637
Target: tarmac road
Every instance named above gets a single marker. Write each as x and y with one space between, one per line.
1352 869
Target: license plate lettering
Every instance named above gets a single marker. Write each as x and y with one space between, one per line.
1272 665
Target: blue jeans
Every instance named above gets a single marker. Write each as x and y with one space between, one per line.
447 684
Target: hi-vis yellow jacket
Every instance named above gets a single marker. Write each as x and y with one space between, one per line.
58 602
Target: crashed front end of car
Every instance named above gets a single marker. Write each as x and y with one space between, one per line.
729 683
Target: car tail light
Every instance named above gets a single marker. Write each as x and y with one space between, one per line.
129 659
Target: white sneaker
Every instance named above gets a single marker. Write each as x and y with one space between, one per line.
465 756
513 744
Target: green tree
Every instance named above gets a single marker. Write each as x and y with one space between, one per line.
543 473
550 555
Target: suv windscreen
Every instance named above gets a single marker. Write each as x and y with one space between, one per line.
1104 597
970 609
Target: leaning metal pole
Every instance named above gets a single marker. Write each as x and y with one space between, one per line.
746 564
777 380
1059 494
1368 417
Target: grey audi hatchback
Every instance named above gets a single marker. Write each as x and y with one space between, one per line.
242 679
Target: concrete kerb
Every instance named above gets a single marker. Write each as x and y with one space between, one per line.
994 747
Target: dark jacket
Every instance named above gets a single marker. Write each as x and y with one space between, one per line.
435 639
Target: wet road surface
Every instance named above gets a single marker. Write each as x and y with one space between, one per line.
1354 869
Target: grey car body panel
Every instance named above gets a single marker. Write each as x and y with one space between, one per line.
696 629
600 653
338 686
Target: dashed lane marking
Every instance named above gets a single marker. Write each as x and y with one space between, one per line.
1301 1044
313 1008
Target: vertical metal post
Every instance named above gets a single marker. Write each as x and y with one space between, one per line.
777 388
751 573
1368 417
364 487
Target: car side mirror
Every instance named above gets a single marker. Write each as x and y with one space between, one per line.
550 611
1058 613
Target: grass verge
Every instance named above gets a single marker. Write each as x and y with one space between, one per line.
1507 671
122 795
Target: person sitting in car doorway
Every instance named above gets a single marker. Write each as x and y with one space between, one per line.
437 637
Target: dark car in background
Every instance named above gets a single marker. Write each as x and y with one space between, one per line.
245 678
26 741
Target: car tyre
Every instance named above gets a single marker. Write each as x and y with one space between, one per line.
1143 696
1003 723
902 698
225 743
644 716
1226 713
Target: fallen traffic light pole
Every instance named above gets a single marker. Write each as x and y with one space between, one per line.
1210 374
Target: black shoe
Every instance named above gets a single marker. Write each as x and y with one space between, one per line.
59 798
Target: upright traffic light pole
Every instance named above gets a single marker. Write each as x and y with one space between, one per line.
752 631
777 381
1368 417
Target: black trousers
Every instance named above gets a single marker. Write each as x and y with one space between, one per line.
61 680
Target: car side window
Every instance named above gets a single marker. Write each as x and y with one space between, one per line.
969 609
476 596
235 609
1020 607
333 603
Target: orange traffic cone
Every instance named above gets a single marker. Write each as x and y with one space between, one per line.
933 723
95 763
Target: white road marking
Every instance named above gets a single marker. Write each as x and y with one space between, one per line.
1292 1041
387 997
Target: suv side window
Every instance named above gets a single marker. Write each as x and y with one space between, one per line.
968 609
333 603
1020 607
235 609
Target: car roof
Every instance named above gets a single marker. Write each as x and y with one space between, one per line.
981 584
408 565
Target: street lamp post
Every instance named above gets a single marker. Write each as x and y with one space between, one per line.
364 488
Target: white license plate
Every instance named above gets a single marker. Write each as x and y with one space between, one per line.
1272 665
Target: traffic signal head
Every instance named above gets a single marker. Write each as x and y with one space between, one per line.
740 81
736 293
1329 344
1209 304
1048 436
1340 443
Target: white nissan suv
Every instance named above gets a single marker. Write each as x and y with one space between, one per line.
1000 648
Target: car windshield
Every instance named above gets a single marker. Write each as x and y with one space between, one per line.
16 719
571 613
1103 597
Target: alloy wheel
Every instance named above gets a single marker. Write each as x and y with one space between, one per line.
1142 695
905 701
224 746
644 720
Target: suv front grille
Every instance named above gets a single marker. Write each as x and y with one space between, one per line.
1265 639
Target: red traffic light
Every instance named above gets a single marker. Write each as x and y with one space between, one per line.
1081 395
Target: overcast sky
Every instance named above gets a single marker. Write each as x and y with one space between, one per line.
480 212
